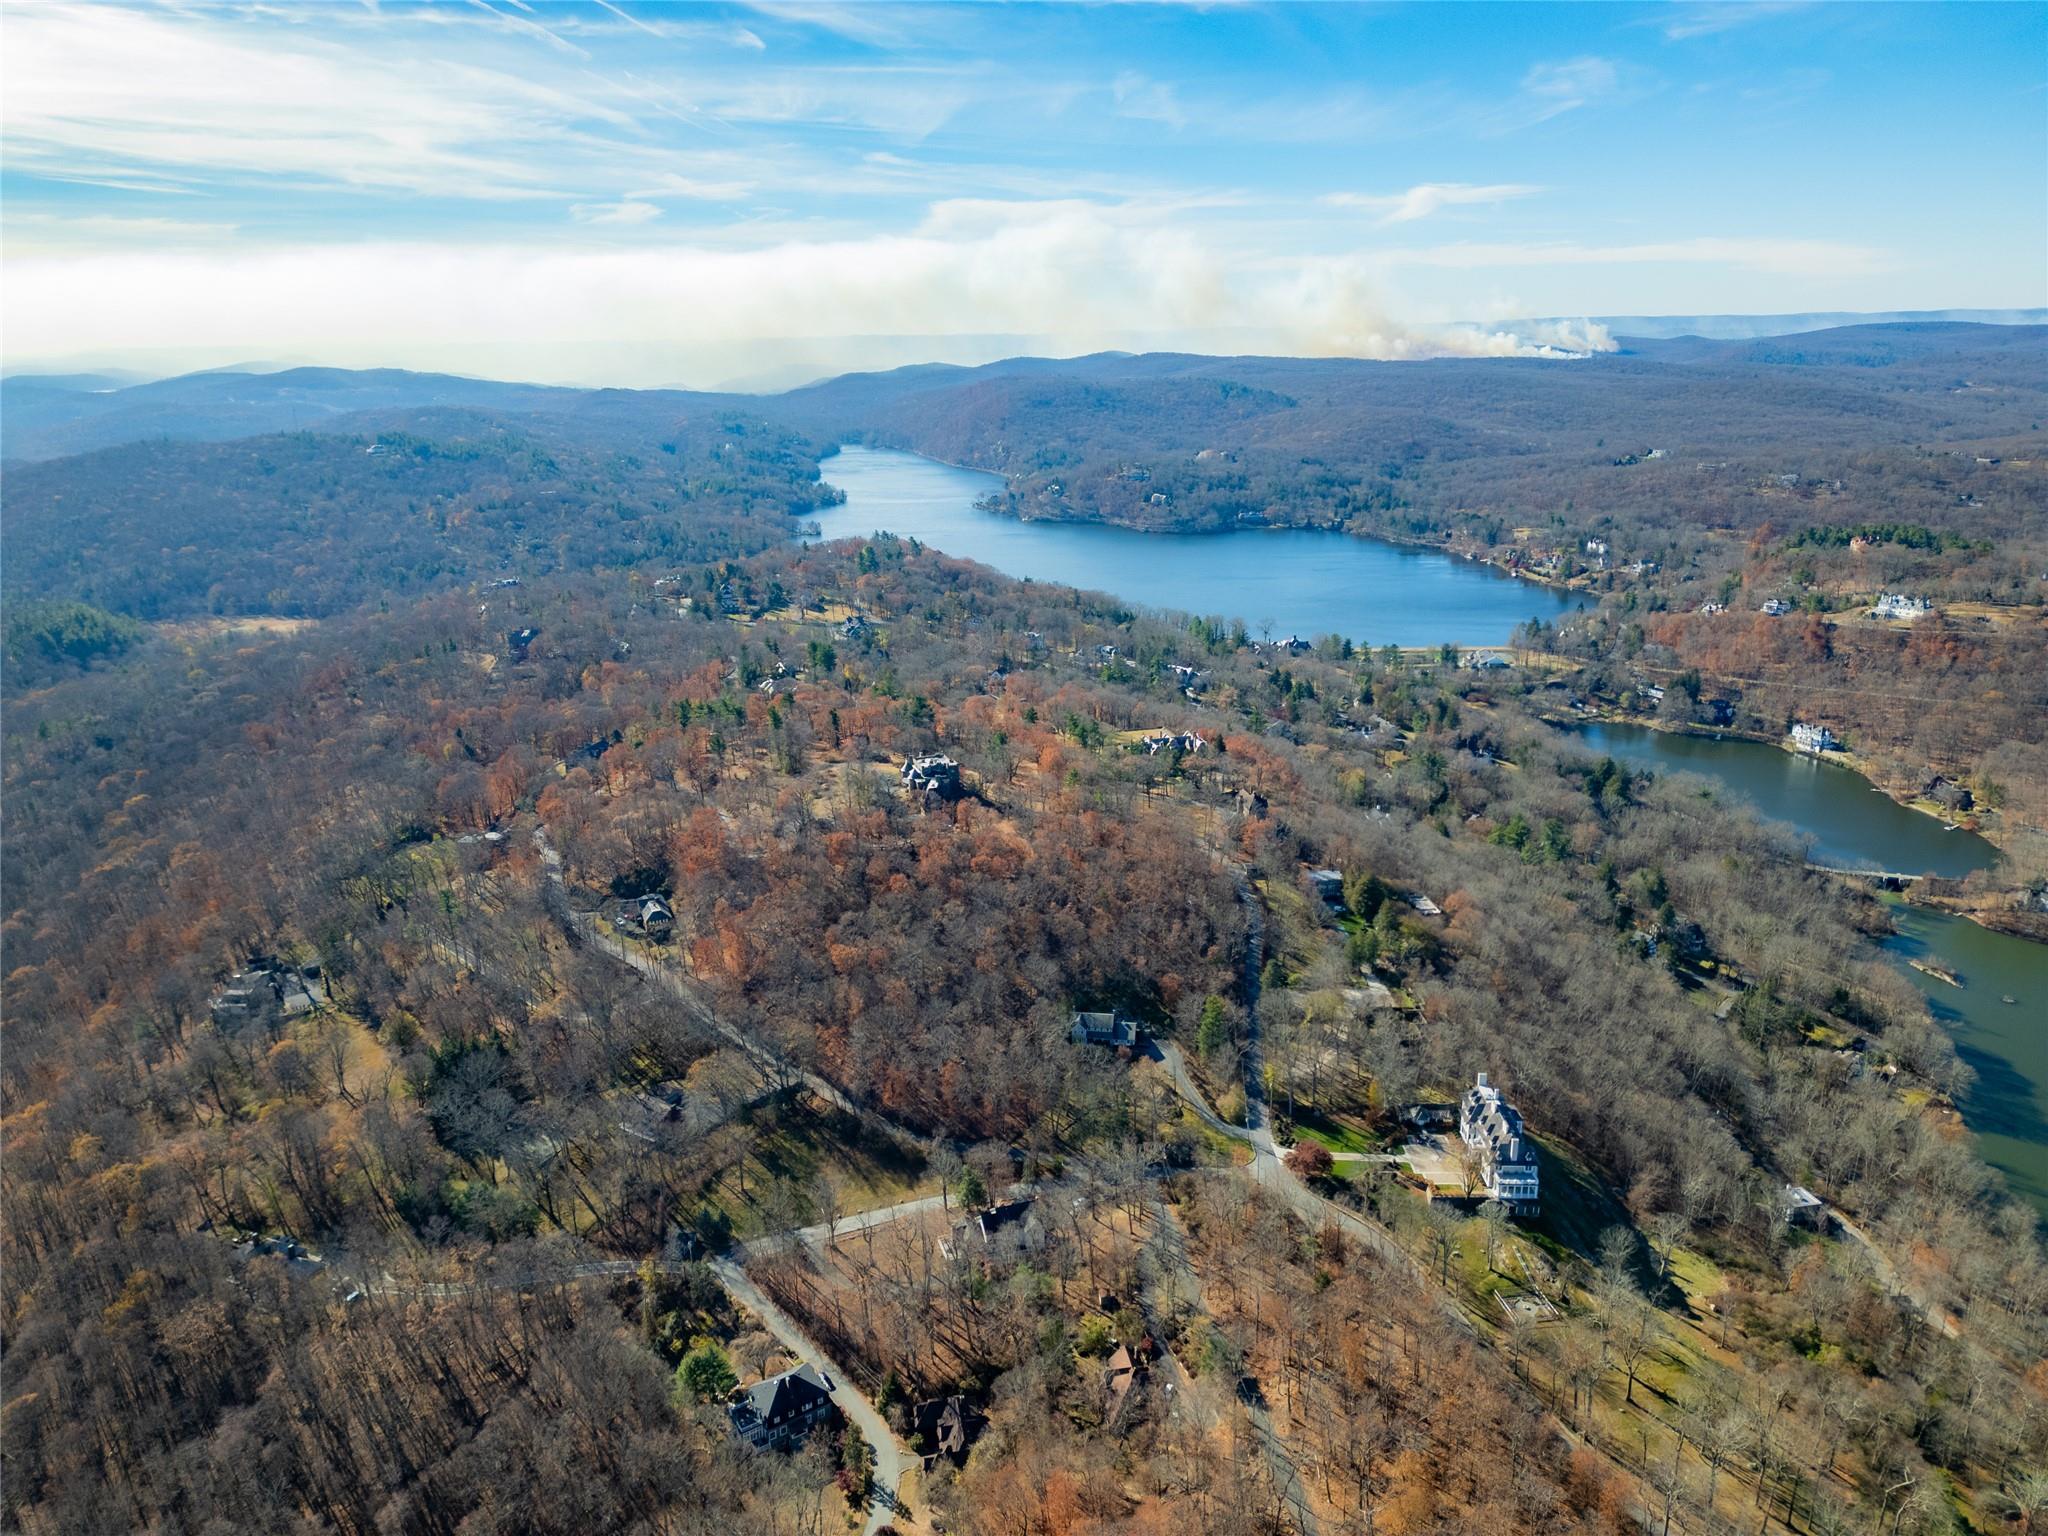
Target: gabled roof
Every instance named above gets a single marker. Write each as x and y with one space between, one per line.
779 1399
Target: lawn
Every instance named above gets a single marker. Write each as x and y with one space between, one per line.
1340 1133
799 1142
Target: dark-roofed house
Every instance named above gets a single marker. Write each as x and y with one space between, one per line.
656 919
944 1427
1124 1374
776 1413
1114 1028
988 1226
932 775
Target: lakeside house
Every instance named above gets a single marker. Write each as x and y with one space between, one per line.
776 1413
1949 795
1489 1124
1815 738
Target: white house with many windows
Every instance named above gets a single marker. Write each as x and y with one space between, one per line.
1489 1124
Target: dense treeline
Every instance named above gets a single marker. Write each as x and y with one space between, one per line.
306 525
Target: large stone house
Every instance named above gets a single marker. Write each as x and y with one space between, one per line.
1507 1158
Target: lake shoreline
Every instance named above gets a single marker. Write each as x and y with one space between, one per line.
1372 591
1994 910
1446 546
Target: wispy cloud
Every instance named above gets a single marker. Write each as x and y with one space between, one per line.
1565 86
627 211
105 93
72 232
1146 99
1430 197
1690 21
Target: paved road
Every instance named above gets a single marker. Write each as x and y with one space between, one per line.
892 1457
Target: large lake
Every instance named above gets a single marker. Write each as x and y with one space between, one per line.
1298 581
1854 826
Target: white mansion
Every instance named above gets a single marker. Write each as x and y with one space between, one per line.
1507 1157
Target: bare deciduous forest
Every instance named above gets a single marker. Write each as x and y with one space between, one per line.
445 1233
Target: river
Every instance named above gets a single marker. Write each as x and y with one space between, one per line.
1853 825
1306 581
1315 583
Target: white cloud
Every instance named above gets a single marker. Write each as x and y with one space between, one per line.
625 212
1077 273
93 93
1431 197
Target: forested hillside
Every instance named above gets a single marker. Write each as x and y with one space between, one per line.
455 1038
305 525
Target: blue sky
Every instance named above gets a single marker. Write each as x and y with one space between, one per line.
649 193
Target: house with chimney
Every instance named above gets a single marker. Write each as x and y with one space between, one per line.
1507 1158
777 1413
1815 738
942 1429
1115 1028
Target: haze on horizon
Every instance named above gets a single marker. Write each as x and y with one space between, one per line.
625 193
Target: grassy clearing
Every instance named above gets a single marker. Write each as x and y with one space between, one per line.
1340 1133
797 1144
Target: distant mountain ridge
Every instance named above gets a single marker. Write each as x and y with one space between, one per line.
1752 327
52 416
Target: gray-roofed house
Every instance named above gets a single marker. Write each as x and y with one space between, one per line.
657 920
932 774
1115 1028
1489 1124
776 1413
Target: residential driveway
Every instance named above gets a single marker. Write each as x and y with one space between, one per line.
1434 1160
892 1460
